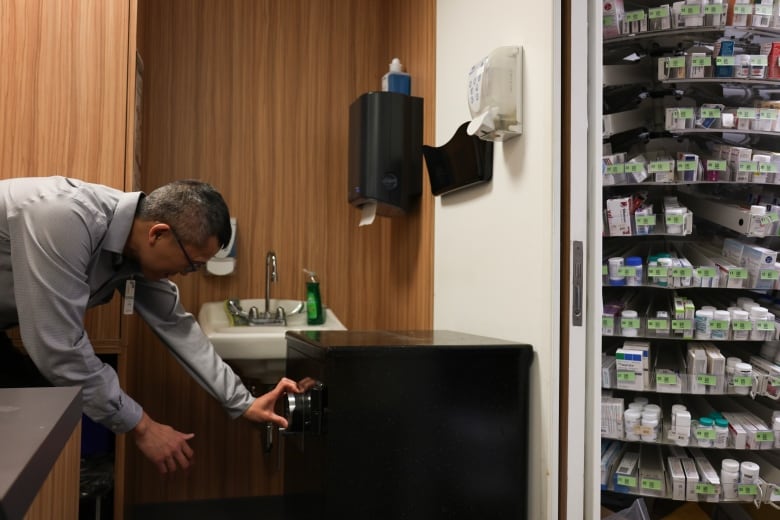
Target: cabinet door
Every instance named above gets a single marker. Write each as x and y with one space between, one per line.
63 99
63 92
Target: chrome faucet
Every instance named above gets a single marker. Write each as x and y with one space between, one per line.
270 276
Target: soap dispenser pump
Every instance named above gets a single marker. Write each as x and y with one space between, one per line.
314 314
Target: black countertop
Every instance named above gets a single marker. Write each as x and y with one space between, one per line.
35 424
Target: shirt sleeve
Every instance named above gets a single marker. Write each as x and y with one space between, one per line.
158 304
49 265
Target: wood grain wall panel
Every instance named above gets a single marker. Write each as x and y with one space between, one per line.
64 65
253 96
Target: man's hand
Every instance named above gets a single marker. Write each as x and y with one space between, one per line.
164 446
262 410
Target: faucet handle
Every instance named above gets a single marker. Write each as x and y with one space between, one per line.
281 314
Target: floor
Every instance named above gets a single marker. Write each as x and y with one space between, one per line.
267 508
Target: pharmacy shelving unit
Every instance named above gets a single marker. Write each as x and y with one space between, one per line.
631 59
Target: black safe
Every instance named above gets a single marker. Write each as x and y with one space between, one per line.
407 425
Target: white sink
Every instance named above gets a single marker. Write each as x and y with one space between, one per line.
259 341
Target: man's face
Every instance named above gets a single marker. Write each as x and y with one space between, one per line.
168 255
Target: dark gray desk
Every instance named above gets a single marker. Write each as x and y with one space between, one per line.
35 424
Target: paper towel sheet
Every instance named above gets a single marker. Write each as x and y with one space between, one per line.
368 214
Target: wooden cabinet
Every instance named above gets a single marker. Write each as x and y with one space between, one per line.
67 94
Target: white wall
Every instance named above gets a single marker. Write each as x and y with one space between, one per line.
496 267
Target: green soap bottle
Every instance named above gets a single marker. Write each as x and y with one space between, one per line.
314 314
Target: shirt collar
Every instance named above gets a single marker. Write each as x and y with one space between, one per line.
119 228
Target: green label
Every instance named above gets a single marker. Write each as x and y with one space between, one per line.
743 9
766 167
627 271
715 9
684 113
626 376
675 219
706 489
716 165
775 382
655 324
626 481
604 270
615 169
748 166
676 63
608 322
759 60
629 323
706 379
746 113
657 12
763 10
712 113
741 325
634 167
742 381
682 272
651 484
687 165
645 220
765 436
608 21
738 274
706 272
660 166
681 325
765 325
725 61
658 272
767 113
747 489
707 434
719 325
769 274
690 10
635 16
666 379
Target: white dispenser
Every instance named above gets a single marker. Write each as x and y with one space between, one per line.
495 95
224 262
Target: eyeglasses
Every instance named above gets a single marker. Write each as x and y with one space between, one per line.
194 266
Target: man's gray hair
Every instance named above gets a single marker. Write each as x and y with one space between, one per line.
194 209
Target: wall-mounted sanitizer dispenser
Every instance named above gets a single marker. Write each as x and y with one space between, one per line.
385 151
495 95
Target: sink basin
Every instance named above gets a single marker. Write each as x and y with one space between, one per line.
258 341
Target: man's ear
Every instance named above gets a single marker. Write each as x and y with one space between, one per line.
156 230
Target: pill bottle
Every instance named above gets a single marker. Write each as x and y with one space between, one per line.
649 428
666 264
630 332
702 322
742 370
721 434
748 472
776 431
641 400
771 332
653 409
702 432
721 332
729 478
631 423
614 266
758 318
635 262
739 334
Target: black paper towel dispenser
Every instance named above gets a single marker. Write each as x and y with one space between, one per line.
385 151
